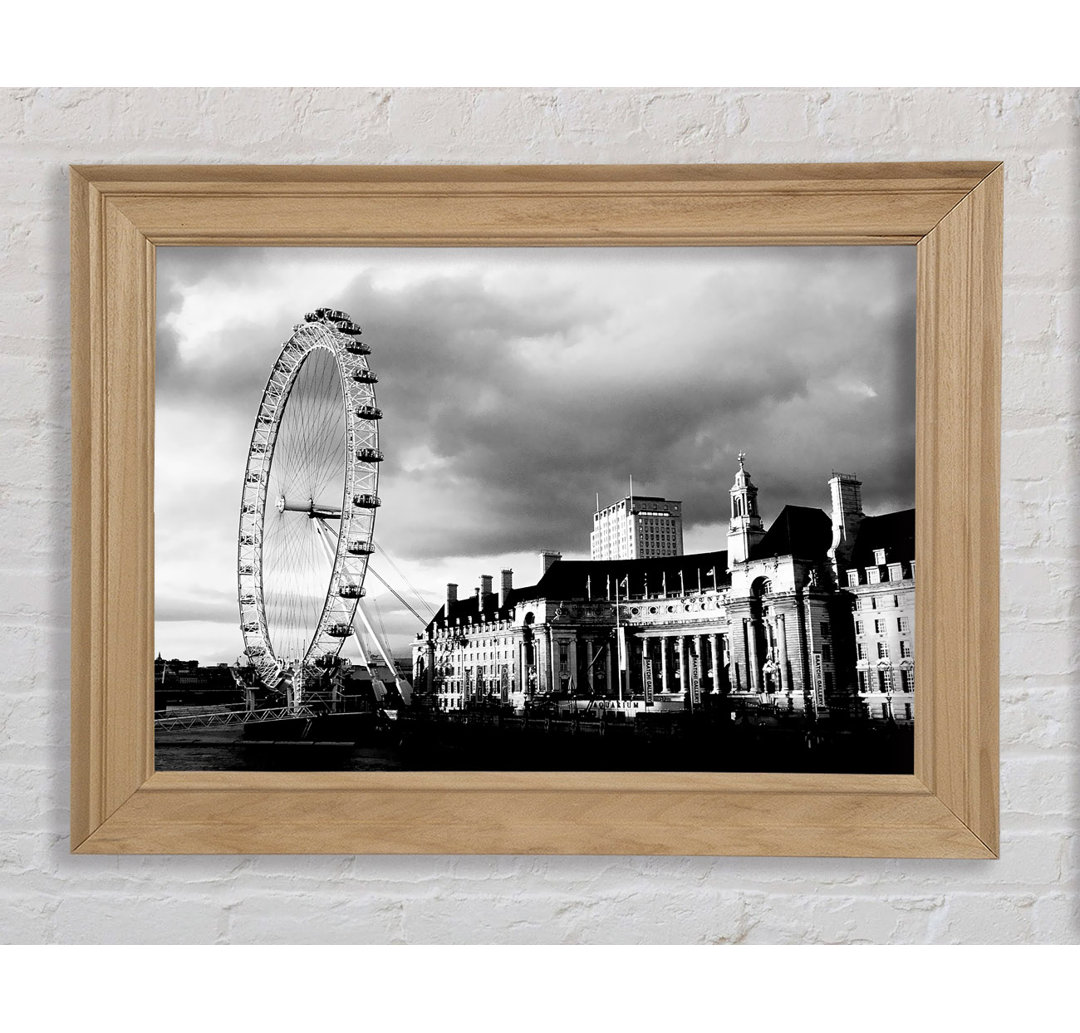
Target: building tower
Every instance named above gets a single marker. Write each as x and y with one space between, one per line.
745 529
845 491
637 527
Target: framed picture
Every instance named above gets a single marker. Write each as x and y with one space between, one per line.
292 635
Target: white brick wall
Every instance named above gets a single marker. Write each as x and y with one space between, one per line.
1031 895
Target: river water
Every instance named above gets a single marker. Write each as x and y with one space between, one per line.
236 756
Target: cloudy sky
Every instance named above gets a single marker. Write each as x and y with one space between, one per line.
517 384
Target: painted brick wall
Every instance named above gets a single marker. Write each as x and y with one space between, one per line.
1030 895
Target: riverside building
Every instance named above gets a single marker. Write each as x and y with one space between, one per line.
781 617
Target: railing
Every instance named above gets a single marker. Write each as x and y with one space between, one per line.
223 717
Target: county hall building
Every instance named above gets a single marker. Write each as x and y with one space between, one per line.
813 615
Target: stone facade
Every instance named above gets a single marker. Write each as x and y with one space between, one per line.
766 621
882 580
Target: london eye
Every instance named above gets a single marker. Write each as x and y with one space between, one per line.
308 506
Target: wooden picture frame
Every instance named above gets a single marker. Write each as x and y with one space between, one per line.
948 808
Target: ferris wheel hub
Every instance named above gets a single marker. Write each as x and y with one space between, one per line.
309 507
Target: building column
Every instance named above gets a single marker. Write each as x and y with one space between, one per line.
781 634
714 649
753 671
684 673
607 669
519 666
589 673
624 676
664 686
556 664
575 674
542 648
742 679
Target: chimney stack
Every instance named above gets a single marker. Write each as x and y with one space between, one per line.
483 593
505 586
845 490
547 557
451 597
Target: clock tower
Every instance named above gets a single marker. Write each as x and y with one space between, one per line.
745 529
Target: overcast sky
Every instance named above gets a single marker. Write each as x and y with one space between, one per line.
517 384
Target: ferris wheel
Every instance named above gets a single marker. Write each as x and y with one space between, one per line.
310 494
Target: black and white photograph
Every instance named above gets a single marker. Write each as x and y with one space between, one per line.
535 509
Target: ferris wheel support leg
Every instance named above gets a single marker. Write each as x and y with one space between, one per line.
377 685
402 684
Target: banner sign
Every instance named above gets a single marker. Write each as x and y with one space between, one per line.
505 683
648 678
695 679
622 649
819 680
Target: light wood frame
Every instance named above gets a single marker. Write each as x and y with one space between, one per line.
948 808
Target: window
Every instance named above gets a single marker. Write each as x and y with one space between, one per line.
860 650
879 625
879 556
882 651
853 578
896 572
862 682
873 576
903 625
907 679
826 653
905 647
825 629
885 679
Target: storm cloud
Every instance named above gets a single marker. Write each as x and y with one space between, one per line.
519 384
